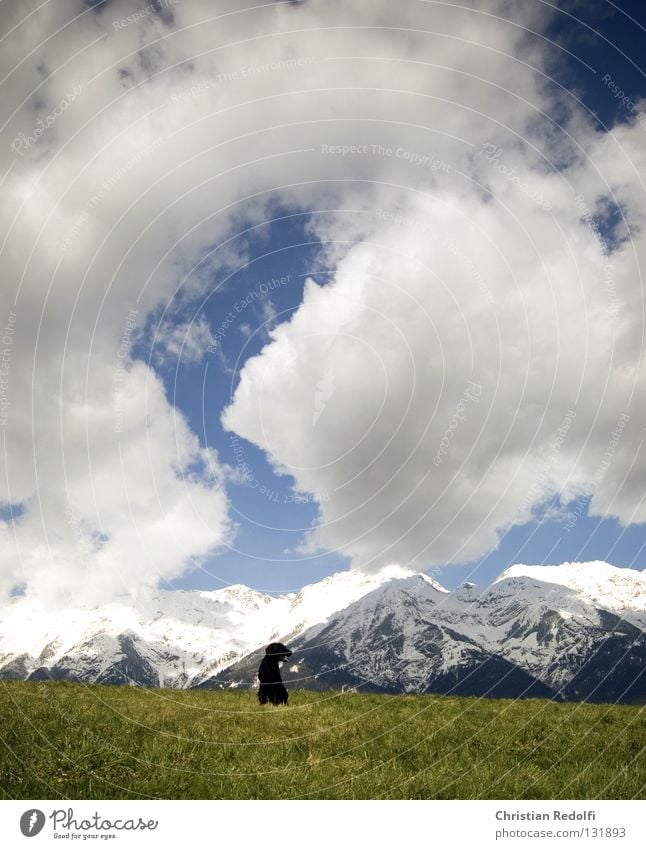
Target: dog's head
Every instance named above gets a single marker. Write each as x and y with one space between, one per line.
278 651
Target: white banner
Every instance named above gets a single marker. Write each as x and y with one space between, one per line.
312 824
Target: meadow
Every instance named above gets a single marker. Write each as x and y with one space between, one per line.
74 741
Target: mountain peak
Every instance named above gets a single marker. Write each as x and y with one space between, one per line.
598 582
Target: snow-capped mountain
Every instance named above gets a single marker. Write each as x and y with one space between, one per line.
574 631
168 638
525 635
598 583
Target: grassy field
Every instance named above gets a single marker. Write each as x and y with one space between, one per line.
93 742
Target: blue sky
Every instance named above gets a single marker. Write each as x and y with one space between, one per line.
270 517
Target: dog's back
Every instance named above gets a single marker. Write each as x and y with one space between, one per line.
269 671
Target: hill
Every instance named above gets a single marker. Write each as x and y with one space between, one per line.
67 740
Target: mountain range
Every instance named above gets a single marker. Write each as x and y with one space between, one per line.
576 631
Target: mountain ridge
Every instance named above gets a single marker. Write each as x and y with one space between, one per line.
396 631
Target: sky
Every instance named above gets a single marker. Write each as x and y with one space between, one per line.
295 287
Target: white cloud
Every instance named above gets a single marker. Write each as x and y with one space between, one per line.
193 127
122 494
406 333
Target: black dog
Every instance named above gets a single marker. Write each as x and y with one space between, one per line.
271 684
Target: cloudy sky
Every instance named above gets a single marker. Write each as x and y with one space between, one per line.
292 287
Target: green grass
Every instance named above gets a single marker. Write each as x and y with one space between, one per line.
74 741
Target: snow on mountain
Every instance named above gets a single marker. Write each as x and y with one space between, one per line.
620 590
186 628
398 638
316 602
185 635
290 614
521 636
571 631
537 625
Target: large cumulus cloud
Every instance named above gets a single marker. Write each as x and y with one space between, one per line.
462 367
478 353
